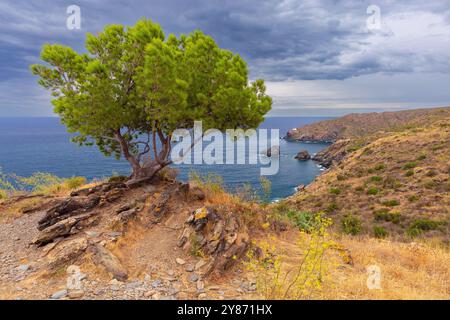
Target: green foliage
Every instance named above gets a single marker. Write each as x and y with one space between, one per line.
351 224
134 86
422 157
410 165
380 232
438 146
376 179
372 191
195 248
418 226
247 193
431 184
335 191
391 203
425 224
211 181
413 232
305 221
266 189
75 182
39 182
379 167
3 195
276 278
386 215
413 198
331 207
409 173
117 178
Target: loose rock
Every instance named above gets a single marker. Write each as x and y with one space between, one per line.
59 294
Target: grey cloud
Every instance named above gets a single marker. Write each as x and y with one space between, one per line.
280 40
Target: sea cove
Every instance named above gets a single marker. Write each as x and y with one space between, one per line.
32 145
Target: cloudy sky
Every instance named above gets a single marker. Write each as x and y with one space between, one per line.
318 57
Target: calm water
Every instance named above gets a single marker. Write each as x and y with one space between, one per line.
29 145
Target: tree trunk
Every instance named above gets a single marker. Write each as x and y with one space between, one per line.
142 172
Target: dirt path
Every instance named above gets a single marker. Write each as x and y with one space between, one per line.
18 260
158 268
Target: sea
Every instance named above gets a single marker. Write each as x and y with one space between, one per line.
30 145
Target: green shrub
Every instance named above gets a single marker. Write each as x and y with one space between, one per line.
305 221
391 203
413 198
437 147
211 181
413 232
379 167
119 178
367 151
422 157
40 182
409 173
380 232
372 191
331 207
430 184
386 215
266 189
75 182
418 226
351 224
376 179
335 191
410 165
3 194
425 224
341 177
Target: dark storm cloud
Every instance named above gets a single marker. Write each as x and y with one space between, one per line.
280 40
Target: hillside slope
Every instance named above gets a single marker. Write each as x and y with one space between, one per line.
391 183
359 124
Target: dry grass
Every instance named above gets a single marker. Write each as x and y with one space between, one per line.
408 270
11 207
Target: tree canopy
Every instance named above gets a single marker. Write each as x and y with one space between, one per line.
134 87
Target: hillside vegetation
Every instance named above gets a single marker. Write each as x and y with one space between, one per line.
356 125
390 183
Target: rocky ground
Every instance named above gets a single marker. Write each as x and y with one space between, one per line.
109 242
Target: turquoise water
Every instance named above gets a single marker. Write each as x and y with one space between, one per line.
29 145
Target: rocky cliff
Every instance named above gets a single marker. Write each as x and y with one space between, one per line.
360 124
